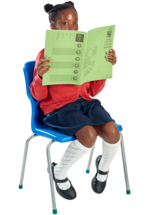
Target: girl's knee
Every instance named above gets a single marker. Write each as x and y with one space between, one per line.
111 133
87 136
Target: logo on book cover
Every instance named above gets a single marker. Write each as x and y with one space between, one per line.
79 38
109 32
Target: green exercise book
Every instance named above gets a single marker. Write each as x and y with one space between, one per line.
77 56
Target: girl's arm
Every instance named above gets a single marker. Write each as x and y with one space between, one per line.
96 87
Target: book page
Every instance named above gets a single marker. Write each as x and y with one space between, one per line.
65 48
95 65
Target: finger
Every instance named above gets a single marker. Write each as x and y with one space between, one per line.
109 60
46 62
112 57
42 63
39 63
42 59
112 50
110 53
46 69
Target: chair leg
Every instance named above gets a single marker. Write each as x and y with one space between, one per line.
124 165
90 159
24 160
54 210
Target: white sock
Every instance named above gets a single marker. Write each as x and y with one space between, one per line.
73 153
109 151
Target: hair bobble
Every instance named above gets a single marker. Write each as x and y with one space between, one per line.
53 11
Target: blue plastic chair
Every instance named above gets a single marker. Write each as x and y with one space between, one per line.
41 129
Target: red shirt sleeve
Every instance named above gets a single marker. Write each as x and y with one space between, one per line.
96 87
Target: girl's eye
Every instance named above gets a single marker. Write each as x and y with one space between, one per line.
67 22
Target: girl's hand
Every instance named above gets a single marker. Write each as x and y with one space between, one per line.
40 66
112 58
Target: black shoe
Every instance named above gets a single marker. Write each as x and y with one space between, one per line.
67 194
98 186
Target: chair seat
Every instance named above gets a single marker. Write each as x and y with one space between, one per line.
46 132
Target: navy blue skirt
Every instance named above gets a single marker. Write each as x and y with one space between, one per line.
73 116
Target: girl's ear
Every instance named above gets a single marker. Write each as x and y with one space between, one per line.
52 26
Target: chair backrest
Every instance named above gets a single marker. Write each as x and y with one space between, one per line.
37 114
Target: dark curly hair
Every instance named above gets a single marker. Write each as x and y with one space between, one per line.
53 10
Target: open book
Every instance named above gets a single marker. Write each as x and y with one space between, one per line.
77 56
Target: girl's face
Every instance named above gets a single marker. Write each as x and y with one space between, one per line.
67 20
